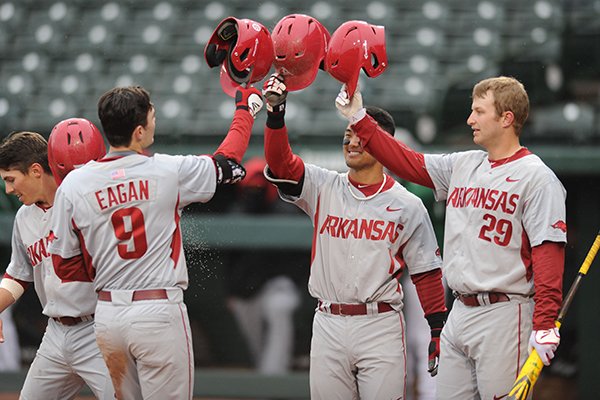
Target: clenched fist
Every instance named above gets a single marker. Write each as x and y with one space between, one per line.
275 93
351 108
249 99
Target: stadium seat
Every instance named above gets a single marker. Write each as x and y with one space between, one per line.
563 123
11 112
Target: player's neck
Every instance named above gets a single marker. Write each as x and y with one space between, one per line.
504 149
366 176
49 187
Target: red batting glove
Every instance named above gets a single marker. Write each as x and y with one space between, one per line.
434 352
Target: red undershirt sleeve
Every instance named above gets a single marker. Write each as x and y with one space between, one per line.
283 163
430 291
548 267
236 142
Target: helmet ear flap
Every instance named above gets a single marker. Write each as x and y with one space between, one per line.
214 55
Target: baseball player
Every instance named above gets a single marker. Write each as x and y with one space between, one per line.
68 356
121 215
505 234
367 229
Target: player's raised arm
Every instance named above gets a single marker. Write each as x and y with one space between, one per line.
393 154
285 168
228 156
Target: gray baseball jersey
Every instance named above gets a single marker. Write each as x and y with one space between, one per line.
359 247
128 212
68 354
494 215
123 212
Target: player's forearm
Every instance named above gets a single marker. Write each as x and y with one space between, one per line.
430 291
6 299
236 142
283 163
393 154
548 267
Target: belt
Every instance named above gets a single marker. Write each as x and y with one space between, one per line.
146 294
69 321
353 309
481 299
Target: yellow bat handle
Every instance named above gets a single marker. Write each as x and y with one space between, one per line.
530 372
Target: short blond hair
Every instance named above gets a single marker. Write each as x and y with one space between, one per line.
509 95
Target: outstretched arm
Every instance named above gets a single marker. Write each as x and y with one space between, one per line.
396 156
286 169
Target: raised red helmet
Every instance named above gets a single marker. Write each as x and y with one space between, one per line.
300 44
72 143
356 45
244 50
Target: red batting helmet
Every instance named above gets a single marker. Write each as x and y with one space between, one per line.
355 45
300 44
72 143
245 50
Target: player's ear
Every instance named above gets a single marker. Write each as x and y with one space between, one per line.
508 118
36 170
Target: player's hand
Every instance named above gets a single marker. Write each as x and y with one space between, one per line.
275 93
249 99
351 108
545 342
434 352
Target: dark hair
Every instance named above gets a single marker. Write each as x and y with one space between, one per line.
20 150
383 119
121 110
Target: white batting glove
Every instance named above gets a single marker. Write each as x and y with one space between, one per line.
275 92
351 108
545 342
248 99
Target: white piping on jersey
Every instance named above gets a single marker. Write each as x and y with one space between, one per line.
367 197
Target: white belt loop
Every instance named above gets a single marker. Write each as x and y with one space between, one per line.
372 308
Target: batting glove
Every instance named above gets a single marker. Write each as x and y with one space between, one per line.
545 342
436 322
351 108
275 93
248 99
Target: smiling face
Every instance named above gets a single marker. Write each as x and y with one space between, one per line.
484 120
355 156
27 187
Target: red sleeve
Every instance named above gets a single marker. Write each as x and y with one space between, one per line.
236 142
393 154
430 291
24 284
71 269
548 267
283 163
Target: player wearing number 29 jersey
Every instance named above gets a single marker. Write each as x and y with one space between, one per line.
121 216
504 240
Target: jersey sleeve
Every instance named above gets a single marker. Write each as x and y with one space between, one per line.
314 179
420 251
544 214
66 242
197 178
19 266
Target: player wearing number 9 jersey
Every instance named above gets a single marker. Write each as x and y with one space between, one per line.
121 215
504 239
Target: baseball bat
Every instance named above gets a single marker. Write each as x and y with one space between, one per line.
530 372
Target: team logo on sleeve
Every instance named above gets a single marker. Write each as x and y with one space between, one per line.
560 224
